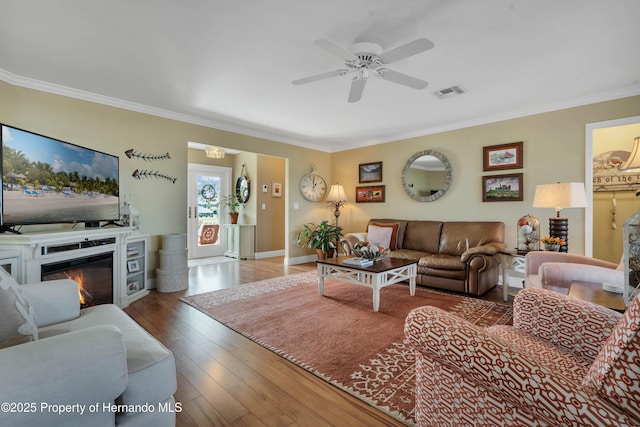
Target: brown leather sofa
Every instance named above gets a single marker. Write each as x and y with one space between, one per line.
461 256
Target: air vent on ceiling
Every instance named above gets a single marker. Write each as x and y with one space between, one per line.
450 91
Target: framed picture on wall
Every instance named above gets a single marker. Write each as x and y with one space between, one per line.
276 189
502 188
370 172
503 156
370 194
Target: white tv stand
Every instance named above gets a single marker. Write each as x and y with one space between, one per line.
29 251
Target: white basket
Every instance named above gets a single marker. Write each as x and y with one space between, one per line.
174 242
172 281
173 260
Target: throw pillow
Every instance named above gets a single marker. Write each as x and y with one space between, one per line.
393 243
379 235
17 316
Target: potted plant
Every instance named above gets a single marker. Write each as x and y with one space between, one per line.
322 237
552 243
232 203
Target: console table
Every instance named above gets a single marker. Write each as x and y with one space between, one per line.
240 241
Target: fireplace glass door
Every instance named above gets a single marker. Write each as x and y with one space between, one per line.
94 275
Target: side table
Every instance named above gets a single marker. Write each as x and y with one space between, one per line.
512 264
593 292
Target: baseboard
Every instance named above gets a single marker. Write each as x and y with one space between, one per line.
269 254
300 260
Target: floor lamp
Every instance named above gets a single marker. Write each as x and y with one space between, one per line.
560 196
337 198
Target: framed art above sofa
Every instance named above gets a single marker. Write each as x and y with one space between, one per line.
370 194
502 188
503 156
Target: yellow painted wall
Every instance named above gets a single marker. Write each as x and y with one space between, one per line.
114 130
270 229
554 150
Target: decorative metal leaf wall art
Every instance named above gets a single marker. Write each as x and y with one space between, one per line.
146 157
144 173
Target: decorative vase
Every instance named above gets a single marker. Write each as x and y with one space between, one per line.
550 247
233 216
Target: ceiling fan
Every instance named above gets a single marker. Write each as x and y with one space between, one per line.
366 58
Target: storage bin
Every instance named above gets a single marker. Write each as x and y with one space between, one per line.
172 281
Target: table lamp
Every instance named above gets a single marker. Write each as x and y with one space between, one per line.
560 196
337 198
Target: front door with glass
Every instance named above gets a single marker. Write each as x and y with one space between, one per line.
205 230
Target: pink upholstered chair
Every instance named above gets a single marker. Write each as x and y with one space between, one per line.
564 362
556 270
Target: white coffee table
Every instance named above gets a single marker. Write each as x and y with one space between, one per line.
382 273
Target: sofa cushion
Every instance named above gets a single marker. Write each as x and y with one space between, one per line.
392 244
402 227
17 316
422 236
151 367
407 254
442 262
458 236
381 236
546 354
615 373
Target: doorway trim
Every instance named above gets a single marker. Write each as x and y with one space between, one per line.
588 174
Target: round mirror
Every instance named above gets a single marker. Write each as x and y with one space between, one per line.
242 189
427 175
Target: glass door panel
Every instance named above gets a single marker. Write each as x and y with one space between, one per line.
205 237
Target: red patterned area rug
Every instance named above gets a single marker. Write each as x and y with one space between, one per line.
338 336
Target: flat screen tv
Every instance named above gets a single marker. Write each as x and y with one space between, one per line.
48 181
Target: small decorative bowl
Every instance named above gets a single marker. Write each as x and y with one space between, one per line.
370 251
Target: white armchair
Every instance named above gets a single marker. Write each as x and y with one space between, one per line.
82 363
556 270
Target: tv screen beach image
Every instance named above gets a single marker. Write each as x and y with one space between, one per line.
45 180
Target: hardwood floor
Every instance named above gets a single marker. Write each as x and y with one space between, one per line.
224 379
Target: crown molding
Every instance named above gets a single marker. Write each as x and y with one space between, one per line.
39 85
323 146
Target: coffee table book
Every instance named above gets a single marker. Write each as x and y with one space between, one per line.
359 262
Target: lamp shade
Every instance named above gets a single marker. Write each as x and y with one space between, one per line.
560 195
337 194
633 161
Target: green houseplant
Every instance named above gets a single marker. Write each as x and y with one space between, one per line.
231 202
323 237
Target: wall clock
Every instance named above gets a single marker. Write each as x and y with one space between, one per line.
313 187
208 192
243 189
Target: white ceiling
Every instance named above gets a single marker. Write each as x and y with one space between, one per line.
229 64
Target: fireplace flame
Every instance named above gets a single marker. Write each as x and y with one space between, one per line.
85 296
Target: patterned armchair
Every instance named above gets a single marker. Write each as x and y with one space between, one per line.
564 362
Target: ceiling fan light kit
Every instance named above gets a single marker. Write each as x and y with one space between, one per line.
364 58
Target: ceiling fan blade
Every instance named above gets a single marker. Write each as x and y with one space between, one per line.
321 76
403 79
357 87
335 50
405 50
